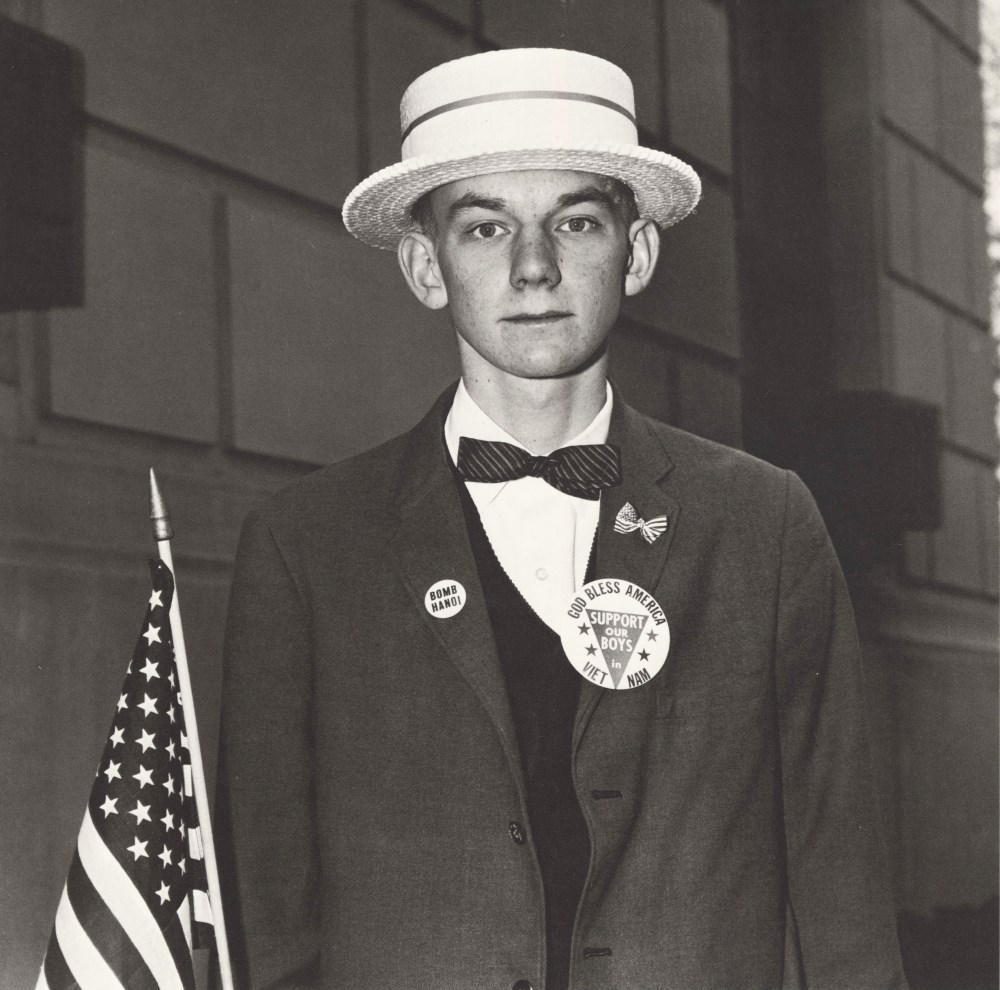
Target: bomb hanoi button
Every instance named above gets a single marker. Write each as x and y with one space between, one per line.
445 598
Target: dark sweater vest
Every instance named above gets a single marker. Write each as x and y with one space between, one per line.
543 689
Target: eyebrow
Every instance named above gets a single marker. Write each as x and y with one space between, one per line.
474 201
588 194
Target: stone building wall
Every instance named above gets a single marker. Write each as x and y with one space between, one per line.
910 289
233 336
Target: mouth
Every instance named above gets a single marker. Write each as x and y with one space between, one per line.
549 316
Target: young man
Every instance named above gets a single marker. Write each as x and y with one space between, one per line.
543 693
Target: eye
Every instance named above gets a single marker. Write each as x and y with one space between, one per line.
578 225
488 230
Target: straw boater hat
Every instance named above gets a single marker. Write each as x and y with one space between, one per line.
512 110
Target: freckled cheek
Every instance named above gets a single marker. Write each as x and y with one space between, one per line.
463 290
599 290
608 269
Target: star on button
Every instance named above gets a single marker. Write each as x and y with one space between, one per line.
152 634
138 849
155 601
146 741
591 650
163 893
148 705
150 669
583 628
652 636
109 806
112 771
643 655
141 812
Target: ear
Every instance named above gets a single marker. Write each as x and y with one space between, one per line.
418 258
644 243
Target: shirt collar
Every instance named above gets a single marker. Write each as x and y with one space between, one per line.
466 419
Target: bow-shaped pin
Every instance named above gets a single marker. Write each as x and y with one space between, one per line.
628 521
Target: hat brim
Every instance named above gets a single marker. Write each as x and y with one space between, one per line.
377 211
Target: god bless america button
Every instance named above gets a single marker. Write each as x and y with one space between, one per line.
615 634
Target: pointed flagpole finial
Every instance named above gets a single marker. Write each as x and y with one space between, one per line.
162 529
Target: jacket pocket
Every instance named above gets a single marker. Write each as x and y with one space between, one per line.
739 692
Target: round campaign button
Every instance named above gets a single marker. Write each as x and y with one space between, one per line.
615 634
444 598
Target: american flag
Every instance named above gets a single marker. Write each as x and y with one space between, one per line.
135 902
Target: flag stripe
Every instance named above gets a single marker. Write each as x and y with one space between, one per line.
184 914
86 964
195 914
105 929
43 984
204 935
121 896
178 945
196 849
55 974
202 907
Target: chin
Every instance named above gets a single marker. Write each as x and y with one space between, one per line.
541 373
539 367
560 365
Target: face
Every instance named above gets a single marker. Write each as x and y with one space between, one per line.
532 266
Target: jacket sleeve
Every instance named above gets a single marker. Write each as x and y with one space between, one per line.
837 881
265 800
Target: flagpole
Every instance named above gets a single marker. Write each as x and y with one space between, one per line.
163 533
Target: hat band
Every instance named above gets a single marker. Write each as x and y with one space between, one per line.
530 94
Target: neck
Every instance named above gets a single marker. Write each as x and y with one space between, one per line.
540 413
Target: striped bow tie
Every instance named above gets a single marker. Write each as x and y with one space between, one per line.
581 470
628 521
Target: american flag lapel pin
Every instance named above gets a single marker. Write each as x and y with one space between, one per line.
628 521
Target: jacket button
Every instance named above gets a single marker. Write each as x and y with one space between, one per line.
517 834
523 985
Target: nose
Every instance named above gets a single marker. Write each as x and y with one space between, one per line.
535 261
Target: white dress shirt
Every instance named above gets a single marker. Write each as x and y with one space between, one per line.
541 536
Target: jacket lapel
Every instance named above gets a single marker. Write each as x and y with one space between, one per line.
645 466
430 543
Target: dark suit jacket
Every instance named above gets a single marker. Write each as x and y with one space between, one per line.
370 771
